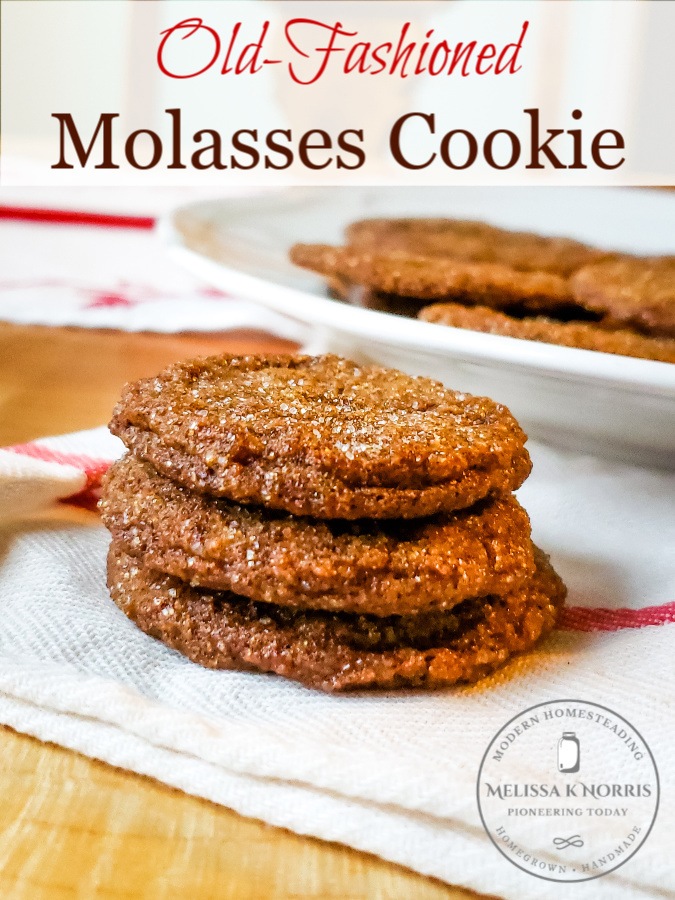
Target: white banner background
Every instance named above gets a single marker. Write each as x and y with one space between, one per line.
611 59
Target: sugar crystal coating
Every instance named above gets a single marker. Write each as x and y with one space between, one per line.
373 566
337 651
384 548
321 436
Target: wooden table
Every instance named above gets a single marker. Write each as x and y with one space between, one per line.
74 827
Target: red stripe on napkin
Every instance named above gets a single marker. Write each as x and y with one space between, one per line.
582 618
75 217
91 467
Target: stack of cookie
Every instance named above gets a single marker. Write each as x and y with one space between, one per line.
345 526
475 276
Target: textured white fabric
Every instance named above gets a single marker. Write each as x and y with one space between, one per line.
393 774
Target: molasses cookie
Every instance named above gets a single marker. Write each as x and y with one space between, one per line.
631 291
370 566
584 335
336 651
425 278
475 242
321 436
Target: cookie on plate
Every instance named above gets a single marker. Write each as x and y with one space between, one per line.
380 567
632 292
426 278
321 436
336 651
584 335
475 242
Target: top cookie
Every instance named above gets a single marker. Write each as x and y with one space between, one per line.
475 242
321 436
631 291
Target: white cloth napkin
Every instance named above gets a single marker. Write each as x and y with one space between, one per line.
391 774
109 277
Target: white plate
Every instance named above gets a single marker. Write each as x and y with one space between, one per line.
611 405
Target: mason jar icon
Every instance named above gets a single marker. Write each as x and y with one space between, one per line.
568 752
